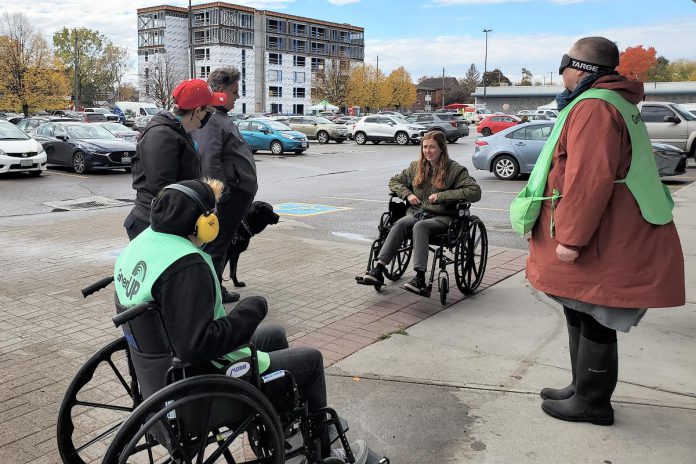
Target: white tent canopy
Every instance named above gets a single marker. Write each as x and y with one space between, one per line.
323 106
549 106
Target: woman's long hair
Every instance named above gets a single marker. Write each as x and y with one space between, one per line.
425 170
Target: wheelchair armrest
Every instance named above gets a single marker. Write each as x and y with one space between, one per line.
131 313
393 194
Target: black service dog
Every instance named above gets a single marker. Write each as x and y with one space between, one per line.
259 215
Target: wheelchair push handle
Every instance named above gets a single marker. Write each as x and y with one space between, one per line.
130 313
95 287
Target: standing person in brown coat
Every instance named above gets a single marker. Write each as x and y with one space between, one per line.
605 263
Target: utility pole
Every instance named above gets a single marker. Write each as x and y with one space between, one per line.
376 82
485 64
192 71
75 64
551 74
443 88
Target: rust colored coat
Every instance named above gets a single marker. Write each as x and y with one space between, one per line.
624 261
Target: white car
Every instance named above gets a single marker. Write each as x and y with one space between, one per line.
387 128
105 111
19 152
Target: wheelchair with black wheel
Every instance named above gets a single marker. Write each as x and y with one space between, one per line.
464 246
241 417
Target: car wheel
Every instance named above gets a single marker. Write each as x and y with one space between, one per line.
254 151
376 142
401 138
360 138
276 147
339 141
299 152
453 139
486 131
415 142
506 167
323 137
35 173
79 162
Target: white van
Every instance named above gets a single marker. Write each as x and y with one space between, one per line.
134 110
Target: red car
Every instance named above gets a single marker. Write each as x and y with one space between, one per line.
495 123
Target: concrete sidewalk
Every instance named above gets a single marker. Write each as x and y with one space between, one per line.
462 386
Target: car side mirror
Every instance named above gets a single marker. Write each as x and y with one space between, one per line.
315 123
672 119
266 131
62 137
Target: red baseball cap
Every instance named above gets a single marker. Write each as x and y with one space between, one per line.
194 93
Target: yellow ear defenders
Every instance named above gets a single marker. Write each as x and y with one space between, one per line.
207 225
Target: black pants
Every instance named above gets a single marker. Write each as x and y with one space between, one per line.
134 226
230 212
306 365
589 327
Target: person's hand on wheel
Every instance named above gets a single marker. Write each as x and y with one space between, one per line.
413 199
432 198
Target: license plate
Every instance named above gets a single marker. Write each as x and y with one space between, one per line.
26 163
125 159
305 144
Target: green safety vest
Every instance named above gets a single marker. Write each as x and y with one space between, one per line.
653 198
142 262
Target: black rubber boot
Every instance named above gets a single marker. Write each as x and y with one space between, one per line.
374 275
597 374
567 392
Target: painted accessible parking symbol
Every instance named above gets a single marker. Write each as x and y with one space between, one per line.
305 209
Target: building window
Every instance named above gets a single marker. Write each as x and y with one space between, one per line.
275 43
299 61
297 109
202 54
299 29
275 58
275 26
317 64
298 45
204 72
147 89
275 75
147 73
246 20
299 77
276 108
318 48
244 108
246 37
145 55
274 91
317 32
299 92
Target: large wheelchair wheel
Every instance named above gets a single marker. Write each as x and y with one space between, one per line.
470 257
98 400
399 264
202 419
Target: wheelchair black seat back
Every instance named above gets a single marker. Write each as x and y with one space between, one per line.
464 246
197 417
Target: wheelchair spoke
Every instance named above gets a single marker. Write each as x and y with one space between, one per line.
222 447
96 439
119 376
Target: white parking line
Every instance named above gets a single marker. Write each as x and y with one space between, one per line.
69 175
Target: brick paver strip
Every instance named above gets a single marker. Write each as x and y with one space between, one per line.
47 330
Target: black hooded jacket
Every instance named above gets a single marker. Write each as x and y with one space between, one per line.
165 155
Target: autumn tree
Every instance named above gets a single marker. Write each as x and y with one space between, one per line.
526 77
367 87
681 70
160 78
331 82
634 62
127 92
472 79
112 65
401 88
30 75
495 78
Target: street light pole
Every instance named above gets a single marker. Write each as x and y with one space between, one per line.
192 71
443 88
485 64
551 74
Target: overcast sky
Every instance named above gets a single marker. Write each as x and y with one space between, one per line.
427 35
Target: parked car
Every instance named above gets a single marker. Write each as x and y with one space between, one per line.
236 116
318 128
387 128
670 123
267 134
495 123
141 123
119 130
452 126
93 117
66 114
19 152
105 111
515 150
475 115
524 117
691 107
29 125
84 147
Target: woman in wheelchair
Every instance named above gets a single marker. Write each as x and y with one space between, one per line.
165 265
431 185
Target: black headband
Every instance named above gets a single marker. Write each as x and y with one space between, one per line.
568 62
191 194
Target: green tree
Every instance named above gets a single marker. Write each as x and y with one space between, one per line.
111 67
526 77
659 71
331 82
495 78
80 49
30 76
471 80
681 70
401 89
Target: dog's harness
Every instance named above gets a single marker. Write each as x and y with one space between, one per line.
246 228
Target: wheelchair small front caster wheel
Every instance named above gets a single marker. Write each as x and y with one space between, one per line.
444 288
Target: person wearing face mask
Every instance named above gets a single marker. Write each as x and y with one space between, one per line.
226 156
603 244
431 185
166 153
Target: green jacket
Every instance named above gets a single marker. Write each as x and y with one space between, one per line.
459 185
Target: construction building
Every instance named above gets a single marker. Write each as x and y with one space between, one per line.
277 54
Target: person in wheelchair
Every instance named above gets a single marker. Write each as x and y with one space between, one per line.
164 264
431 185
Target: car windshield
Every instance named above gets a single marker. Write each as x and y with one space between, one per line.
277 125
101 110
9 131
115 127
89 131
151 111
321 120
399 120
684 113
